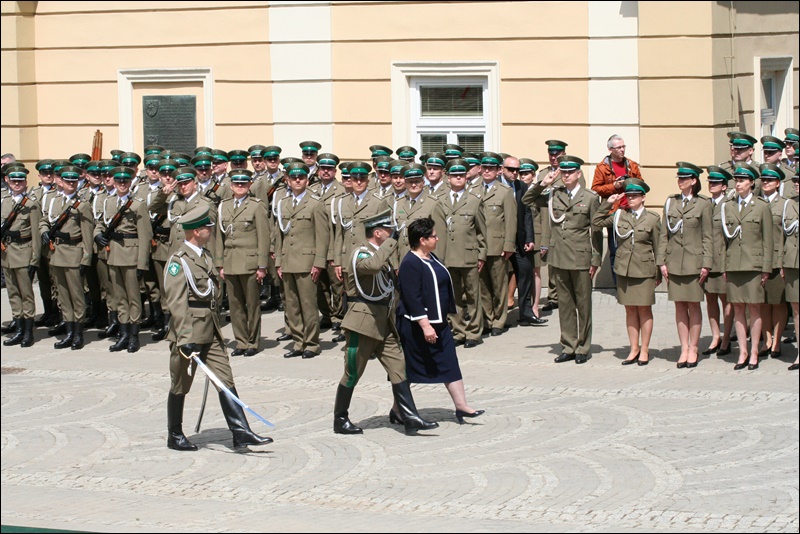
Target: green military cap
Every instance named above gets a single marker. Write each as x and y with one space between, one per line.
457 166
219 156
380 150
195 218
407 153
238 155
93 167
107 165
153 149
504 156
326 159
771 143
741 139
257 151
123 173
310 146
297 169
688 170
792 134
152 159
471 158
58 163
272 151
569 162
635 186
382 220
436 159
396 166
743 170
116 153
79 160
718 174
17 171
289 160
184 174
414 171
71 173
452 151
130 158
528 165
167 165
359 167
44 165
423 157
491 159
555 145
383 163
201 160
343 167
241 175
770 171
204 150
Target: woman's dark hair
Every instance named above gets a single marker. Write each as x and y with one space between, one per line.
696 187
418 229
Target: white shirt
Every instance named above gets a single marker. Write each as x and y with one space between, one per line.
360 198
745 201
296 200
197 250
455 196
771 197
638 214
574 191
189 199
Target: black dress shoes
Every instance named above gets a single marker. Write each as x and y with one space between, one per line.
774 354
581 358
794 367
691 365
550 306
284 337
325 324
468 344
790 339
724 352
339 337
752 367
307 354
564 357
711 350
237 352
336 326
681 365
458 342
531 321
645 362
497 331
250 352
293 354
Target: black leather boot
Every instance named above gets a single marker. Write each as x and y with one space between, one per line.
341 423
16 339
150 321
12 326
113 326
92 312
102 315
124 337
60 328
133 338
48 310
158 316
27 333
67 341
237 422
176 440
161 334
77 336
408 410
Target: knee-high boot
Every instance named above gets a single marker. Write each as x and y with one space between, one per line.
341 422
237 422
408 410
176 440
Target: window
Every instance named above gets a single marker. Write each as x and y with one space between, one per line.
449 110
767 103
773 91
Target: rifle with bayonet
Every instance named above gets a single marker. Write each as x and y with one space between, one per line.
10 219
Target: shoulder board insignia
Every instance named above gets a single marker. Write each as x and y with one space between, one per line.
315 197
592 192
174 268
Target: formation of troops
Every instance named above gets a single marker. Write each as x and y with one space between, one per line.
107 239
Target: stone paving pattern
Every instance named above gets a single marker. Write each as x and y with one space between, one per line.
562 447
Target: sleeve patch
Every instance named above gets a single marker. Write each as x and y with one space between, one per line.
363 255
174 269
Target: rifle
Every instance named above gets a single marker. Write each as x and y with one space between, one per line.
10 219
115 220
61 221
271 192
97 145
213 189
156 223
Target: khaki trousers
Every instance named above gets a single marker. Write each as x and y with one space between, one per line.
126 287
20 292
574 309
245 307
212 354
71 299
494 292
466 284
360 348
301 311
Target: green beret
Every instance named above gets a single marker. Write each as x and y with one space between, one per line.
359 167
383 163
792 134
80 160
743 170
772 143
491 159
569 162
310 146
327 159
201 160
116 153
71 173
635 185
688 170
452 151
382 219
437 159
407 153
238 155
414 171
123 173
554 145
457 166
297 169
219 156
741 139
770 171
153 149
241 176
128 158
196 217
17 171
204 150
528 165
257 151
272 151
718 174
380 150
184 174
44 165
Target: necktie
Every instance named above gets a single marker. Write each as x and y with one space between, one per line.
455 199
741 205
295 202
237 205
685 201
486 188
413 202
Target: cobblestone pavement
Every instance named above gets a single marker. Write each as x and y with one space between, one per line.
562 447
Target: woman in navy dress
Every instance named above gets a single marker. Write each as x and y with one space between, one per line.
426 297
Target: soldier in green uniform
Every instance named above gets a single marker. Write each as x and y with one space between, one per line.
434 174
67 229
790 149
742 150
452 151
21 252
790 220
382 153
382 185
103 272
406 153
369 323
416 204
309 151
575 253
190 288
301 256
500 211
45 189
97 312
242 242
463 250
161 242
128 253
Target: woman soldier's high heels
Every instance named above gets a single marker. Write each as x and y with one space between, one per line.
461 415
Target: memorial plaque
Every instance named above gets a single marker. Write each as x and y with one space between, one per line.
170 121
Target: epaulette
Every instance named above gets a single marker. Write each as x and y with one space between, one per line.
590 191
252 199
316 197
498 182
762 199
703 197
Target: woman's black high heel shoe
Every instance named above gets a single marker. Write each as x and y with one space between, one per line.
631 360
394 418
461 415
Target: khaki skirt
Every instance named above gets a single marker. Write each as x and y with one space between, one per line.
715 284
682 288
775 288
744 287
537 259
636 291
792 284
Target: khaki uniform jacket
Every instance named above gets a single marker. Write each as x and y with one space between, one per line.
786 189
79 226
243 236
718 257
790 245
214 195
97 213
350 231
572 245
776 209
157 208
636 252
691 247
404 214
127 251
19 255
192 324
176 207
330 199
442 190
303 234
730 167
500 212
462 239
751 249
375 321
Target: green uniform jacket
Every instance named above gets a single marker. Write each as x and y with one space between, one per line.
79 226
691 247
500 213
243 235
636 251
776 209
718 255
404 214
127 251
303 234
462 239
350 233
790 217
19 255
751 249
330 199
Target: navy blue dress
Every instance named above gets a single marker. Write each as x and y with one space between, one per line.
426 290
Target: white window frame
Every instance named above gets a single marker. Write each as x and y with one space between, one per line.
780 69
407 123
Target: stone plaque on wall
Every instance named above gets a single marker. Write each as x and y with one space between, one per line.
170 121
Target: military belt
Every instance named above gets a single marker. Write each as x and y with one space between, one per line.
67 240
17 239
160 231
382 302
120 235
209 305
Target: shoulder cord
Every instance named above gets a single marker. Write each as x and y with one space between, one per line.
557 220
737 231
229 229
792 228
345 225
678 226
50 212
384 284
333 210
279 218
171 201
94 208
105 220
394 218
190 279
616 228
